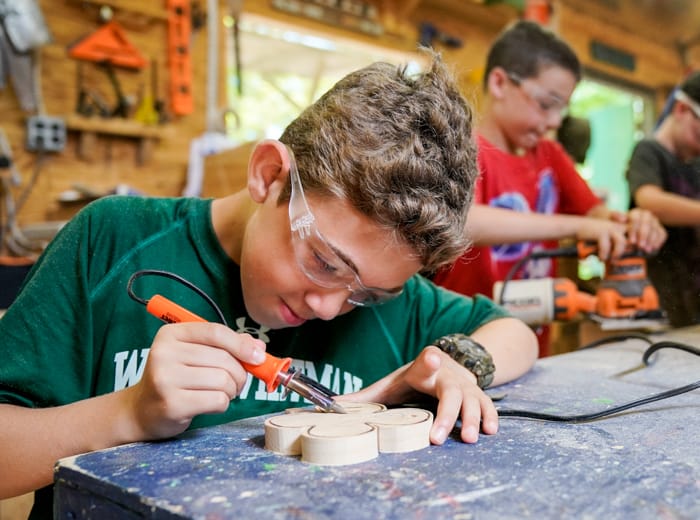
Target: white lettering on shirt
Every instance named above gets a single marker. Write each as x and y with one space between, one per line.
129 366
129 374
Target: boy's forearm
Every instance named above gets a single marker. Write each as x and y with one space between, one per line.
513 346
671 209
491 226
32 440
600 211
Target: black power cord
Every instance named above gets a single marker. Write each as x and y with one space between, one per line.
616 409
177 278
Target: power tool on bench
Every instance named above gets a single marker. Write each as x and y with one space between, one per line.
624 297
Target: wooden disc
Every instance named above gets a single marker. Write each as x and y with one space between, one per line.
357 436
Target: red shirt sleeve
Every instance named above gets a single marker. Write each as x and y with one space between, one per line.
576 197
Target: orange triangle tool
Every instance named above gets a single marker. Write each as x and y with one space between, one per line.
108 43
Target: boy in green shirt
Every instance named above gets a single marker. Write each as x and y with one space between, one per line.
382 169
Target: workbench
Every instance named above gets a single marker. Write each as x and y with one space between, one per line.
642 463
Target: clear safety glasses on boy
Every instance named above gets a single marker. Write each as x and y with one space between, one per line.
317 259
547 102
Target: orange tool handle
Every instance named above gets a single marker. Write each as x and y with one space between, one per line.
586 248
171 312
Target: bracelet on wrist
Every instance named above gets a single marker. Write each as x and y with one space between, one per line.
470 354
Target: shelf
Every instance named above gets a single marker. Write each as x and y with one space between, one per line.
139 7
114 126
90 127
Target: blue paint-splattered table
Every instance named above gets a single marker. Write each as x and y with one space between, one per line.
643 463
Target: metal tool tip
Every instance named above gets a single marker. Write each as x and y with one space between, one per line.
335 407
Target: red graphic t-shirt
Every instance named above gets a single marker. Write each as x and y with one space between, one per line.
543 180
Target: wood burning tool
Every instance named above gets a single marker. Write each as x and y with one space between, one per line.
273 371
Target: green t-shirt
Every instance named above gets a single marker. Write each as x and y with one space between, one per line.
73 332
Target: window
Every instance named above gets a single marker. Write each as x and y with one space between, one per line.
619 117
284 69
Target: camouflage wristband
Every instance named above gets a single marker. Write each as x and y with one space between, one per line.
469 354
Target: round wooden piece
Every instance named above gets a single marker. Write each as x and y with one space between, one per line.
357 436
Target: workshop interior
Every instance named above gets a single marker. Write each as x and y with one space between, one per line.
166 98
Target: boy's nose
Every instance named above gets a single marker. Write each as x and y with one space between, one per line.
327 303
554 119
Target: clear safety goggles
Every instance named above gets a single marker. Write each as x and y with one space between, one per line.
320 262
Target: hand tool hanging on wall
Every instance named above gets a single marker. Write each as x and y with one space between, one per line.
158 102
89 101
123 105
235 10
22 31
179 60
108 43
151 109
108 47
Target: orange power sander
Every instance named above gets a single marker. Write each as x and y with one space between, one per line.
625 291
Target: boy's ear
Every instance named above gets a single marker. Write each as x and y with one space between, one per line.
269 162
679 108
496 82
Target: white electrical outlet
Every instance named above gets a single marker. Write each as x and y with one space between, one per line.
45 134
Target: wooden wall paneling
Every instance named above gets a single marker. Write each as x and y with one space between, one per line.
477 26
113 157
657 65
666 22
403 36
226 172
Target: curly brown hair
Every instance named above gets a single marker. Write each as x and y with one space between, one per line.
399 148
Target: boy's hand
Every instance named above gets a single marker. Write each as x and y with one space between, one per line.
610 236
436 374
192 369
643 228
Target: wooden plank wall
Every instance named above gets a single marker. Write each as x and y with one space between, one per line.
114 158
659 67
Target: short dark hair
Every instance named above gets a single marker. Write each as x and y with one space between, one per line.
691 86
524 47
574 134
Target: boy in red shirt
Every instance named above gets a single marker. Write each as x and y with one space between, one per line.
529 77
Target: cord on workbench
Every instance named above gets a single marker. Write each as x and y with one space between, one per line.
616 339
617 409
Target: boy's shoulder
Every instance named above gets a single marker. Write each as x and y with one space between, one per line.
130 206
127 219
130 212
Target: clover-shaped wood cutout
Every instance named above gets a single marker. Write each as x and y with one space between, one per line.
336 439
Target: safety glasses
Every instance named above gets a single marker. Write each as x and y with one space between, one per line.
318 260
684 98
547 102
